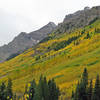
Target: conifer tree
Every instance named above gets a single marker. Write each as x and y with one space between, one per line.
72 97
53 90
77 93
14 97
38 91
42 90
32 90
81 90
96 93
85 77
90 90
83 85
3 93
46 90
9 90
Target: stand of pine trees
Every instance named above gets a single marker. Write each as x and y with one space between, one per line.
85 90
48 90
44 90
6 91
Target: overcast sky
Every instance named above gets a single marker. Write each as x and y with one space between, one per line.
28 15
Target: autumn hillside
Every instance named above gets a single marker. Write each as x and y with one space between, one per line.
62 56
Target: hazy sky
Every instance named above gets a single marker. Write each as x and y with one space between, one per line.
28 15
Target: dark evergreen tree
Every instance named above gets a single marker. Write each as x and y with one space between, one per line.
3 93
31 90
14 97
38 91
84 79
83 85
53 90
90 90
9 90
72 97
81 90
42 90
46 90
96 93
77 92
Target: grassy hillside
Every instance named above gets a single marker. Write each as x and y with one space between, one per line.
60 56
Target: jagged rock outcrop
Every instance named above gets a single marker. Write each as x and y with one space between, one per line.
79 19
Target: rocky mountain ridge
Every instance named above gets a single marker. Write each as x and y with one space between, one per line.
79 19
24 41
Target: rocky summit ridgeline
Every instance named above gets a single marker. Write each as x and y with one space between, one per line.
24 41
79 19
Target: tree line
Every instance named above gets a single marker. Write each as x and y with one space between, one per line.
44 90
48 90
63 44
6 91
85 89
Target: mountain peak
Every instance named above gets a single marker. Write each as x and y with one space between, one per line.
87 8
52 24
22 34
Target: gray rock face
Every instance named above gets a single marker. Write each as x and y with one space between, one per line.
24 41
43 32
79 19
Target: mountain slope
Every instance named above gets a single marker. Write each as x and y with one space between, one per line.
24 41
71 22
63 57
